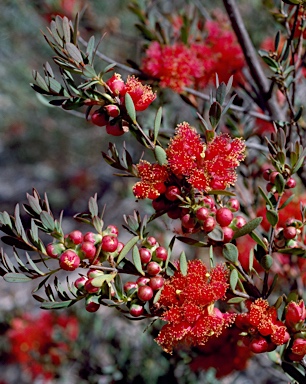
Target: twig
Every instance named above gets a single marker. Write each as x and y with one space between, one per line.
251 58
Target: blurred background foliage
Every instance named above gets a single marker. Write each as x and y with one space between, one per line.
60 153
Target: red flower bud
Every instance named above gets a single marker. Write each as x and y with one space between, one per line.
295 313
145 255
112 110
224 217
76 237
299 347
136 310
109 243
99 119
69 260
145 293
259 345
55 249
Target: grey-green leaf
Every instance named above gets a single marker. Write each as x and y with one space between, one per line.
130 107
183 264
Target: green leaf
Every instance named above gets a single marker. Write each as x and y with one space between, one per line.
221 192
90 48
221 93
157 296
137 260
267 200
190 241
66 29
160 155
233 279
256 237
74 52
34 204
130 107
251 259
298 164
272 217
47 220
109 67
16 278
288 201
248 227
280 183
216 234
183 264
230 252
93 206
57 305
89 71
5 219
101 279
236 300
32 264
157 123
215 112
15 242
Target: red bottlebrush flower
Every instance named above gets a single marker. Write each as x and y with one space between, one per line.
116 84
153 177
176 66
189 306
142 95
206 167
264 318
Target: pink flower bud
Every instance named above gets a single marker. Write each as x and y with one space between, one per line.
69 260
116 84
112 110
295 313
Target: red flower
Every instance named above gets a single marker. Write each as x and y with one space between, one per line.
189 306
176 66
142 95
263 318
206 167
153 177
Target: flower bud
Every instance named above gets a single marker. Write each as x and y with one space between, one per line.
295 313
55 249
112 110
116 84
69 260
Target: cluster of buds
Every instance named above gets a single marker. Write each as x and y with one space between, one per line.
295 316
78 247
271 176
262 330
203 216
288 235
139 292
114 115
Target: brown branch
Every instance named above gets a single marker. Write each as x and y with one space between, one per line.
251 58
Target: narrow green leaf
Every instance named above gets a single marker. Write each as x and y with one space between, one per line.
15 242
298 164
34 204
89 71
157 123
272 217
267 200
16 278
248 227
93 206
74 52
33 265
230 252
137 260
216 234
256 237
126 249
160 155
57 304
183 264
5 219
280 183
215 112
288 201
66 29
130 107
251 259
47 220
221 93
90 48
157 296
236 300
221 192
109 67
233 279
101 279
211 256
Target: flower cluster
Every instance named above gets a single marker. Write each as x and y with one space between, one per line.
114 115
153 178
179 65
41 344
263 327
206 166
188 301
